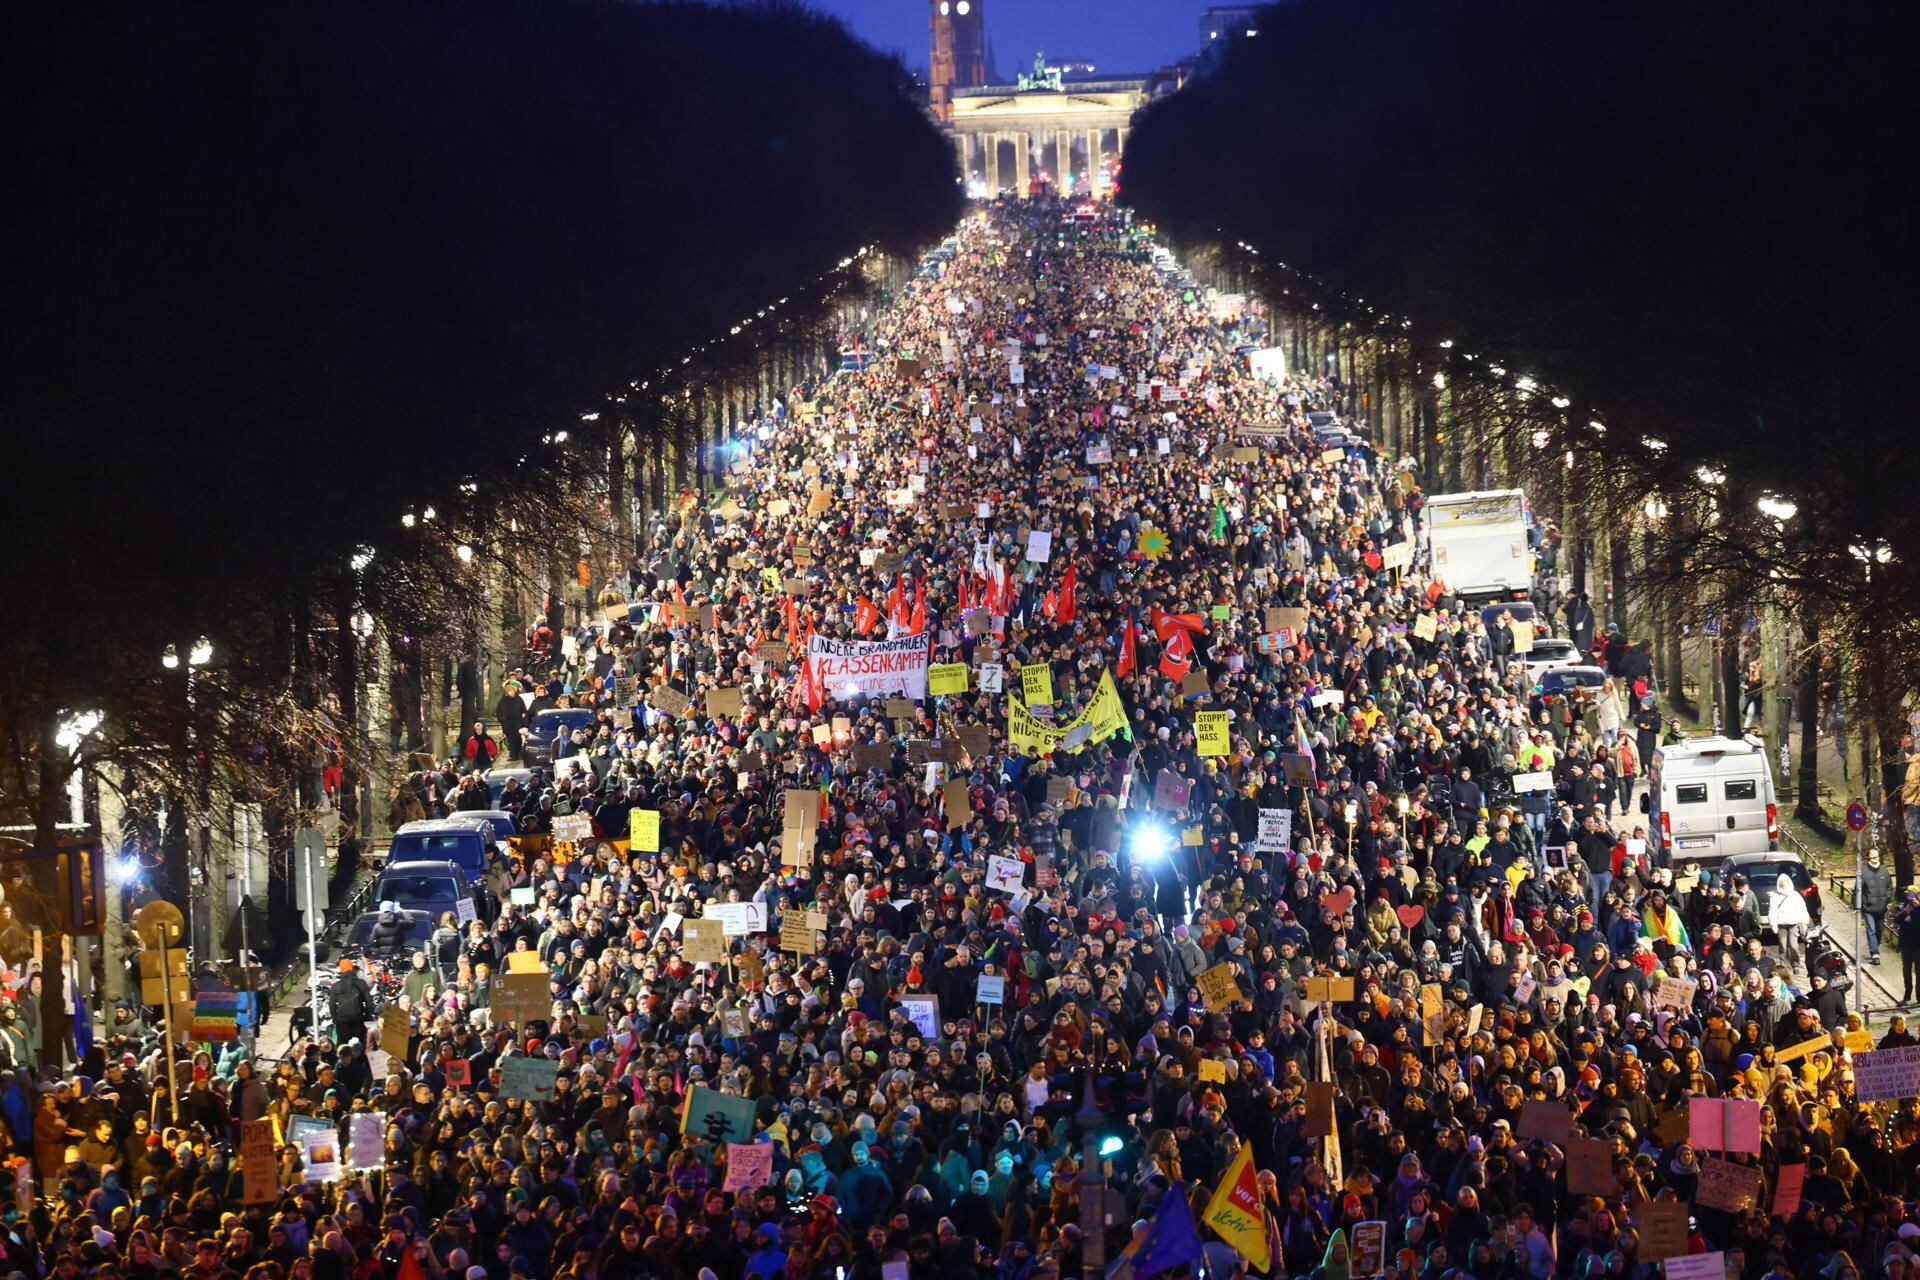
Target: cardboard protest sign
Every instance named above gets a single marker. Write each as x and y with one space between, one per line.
716 1116
1299 769
1212 1070
704 941
1663 1229
1545 1118
1729 1186
1590 1167
1369 1249
796 933
1218 987
396 1029
1793 1053
527 1078
1522 636
749 1166
957 802
1433 1013
575 828
724 701
1319 1119
459 1072
521 998
525 962
259 1163
1425 627
1320 990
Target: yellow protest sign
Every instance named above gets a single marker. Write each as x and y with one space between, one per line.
643 827
946 678
1036 684
1211 734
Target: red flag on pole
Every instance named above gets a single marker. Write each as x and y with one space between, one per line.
1177 658
866 616
1165 624
1064 606
1127 662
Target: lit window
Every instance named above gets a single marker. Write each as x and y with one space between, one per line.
945 8
963 8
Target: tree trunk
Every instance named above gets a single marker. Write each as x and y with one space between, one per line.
1731 668
1807 802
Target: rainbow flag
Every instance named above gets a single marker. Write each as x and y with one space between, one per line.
216 1015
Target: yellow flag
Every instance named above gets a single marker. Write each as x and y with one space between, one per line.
1235 1212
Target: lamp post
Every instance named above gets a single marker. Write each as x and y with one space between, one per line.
198 655
1091 1186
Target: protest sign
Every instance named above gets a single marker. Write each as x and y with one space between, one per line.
1320 990
1212 1070
1211 734
1698 1266
1275 834
1006 875
1590 1167
1318 1096
749 1166
574 827
923 1012
259 1163
1663 1229
947 678
1675 993
1786 1190
796 933
991 989
1369 1249
459 1072
1887 1075
870 668
1170 790
1724 1124
1729 1186
521 998
643 830
724 701
738 918
704 941
320 1151
716 1116
1545 1118
366 1140
1218 987
1036 684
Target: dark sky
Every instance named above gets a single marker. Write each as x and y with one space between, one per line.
1115 35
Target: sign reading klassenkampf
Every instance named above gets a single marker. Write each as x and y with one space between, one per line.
859 668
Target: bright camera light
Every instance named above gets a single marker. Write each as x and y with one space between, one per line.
201 653
1152 843
1111 1145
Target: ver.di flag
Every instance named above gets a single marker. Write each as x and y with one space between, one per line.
1235 1212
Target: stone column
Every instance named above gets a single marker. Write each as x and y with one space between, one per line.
992 141
1063 145
1023 163
1120 143
1093 162
960 149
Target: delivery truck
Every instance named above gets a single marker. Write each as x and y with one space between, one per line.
1477 543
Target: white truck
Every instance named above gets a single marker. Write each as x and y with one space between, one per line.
1477 543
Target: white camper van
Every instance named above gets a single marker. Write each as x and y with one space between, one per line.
1710 798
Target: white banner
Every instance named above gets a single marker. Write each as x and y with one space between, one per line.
851 669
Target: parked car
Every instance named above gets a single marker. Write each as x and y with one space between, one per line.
433 887
536 749
469 844
496 780
1763 869
1549 652
499 821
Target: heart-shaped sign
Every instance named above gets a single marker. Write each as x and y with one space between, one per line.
1410 915
1338 902
1580 985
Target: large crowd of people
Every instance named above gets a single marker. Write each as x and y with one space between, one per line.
1208 863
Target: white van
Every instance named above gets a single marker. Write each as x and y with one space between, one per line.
1709 798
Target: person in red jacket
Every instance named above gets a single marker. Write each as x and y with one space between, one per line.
480 748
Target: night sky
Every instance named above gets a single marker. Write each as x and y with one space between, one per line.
1114 35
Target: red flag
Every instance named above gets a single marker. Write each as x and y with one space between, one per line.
897 602
1177 657
1125 666
918 622
1064 607
1049 604
1165 624
410 1268
866 617
809 678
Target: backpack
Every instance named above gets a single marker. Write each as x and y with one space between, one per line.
346 1002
